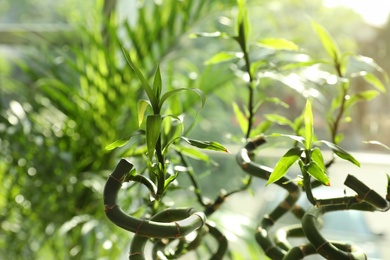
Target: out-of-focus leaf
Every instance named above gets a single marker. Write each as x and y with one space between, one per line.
223 57
209 145
359 64
281 120
361 96
276 101
318 173
242 25
278 44
261 128
308 117
341 152
298 123
241 118
377 143
209 34
121 142
339 137
302 64
296 138
153 127
375 81
327 41
284 164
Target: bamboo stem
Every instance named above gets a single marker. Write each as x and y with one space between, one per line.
143 227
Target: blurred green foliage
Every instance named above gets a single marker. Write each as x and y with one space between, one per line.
60 106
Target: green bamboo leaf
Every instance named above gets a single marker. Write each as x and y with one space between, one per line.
242 25
278 44
209 35
361 96
341 152
149 91
172 92
317 157
308 117
141 108
318 173
298 123
209 145
169 180
193 153
284 164
359 64
302 64
121 142
281 120
261 128
157 83
153 127
377 143
241 118
375 81
327 41
296 138
277 101
223 57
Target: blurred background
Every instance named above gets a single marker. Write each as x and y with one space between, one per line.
65 94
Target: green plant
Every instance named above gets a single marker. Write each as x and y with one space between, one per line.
64 104
306 151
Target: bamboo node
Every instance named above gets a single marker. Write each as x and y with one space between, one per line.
109 207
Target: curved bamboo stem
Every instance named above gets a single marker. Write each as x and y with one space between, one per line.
143 227
366 199
221 240
260 171
138 242
320 244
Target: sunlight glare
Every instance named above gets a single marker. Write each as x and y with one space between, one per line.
374 12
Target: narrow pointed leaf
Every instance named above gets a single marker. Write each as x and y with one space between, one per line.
281 120
318 173
278 44
157 83
296 138
241 118
284 164
223 57
317 157
375 81
242 25
169 180
121 142
341 152
308 117
142 105
153 127
361 96
172 92
377 143
149 91
209 145
192 152
327 41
